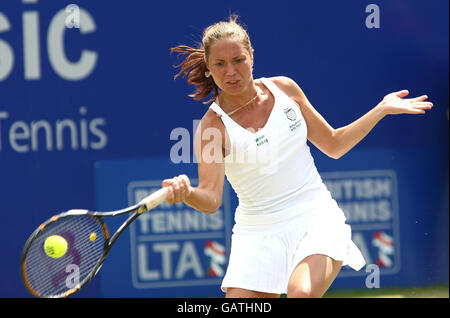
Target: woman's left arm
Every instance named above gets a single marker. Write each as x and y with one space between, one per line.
337 142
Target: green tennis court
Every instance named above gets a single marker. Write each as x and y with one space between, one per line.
438 291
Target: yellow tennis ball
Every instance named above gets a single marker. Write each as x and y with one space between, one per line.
55 246
93 236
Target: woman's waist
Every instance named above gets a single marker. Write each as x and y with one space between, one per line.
259 200
299 215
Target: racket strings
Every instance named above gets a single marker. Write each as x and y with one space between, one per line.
46 276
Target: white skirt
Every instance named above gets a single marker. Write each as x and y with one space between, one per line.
263 261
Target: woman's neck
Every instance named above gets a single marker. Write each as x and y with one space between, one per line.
231 102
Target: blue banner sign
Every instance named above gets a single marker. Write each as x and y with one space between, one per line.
369 200
173 248
175 245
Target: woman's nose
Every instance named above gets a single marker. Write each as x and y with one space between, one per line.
230 69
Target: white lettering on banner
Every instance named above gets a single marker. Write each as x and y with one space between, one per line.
25 136
144 271
32 61
56 52
357 212
365 188
363 200
31 43
175 245
6 51
188 261
186 220
3 115
369 201
72 134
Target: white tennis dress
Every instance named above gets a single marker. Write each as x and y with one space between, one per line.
285 211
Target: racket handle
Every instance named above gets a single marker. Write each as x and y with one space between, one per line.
154 199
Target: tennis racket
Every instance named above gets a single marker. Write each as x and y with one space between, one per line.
88 244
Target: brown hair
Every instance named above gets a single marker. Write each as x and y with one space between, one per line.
193 67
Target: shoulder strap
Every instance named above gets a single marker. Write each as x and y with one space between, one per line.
271 86
216 108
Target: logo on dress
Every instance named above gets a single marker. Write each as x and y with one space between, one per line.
290 113
261 140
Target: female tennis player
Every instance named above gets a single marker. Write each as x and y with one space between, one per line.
289 236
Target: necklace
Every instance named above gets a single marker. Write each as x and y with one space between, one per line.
250 101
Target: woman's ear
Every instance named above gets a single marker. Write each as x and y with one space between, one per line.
253 52
207 72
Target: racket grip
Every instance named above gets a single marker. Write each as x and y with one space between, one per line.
154 199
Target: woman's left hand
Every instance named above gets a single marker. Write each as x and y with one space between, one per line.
395 103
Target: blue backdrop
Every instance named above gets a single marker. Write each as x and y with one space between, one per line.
86 116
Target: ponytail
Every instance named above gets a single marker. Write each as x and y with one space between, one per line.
193 68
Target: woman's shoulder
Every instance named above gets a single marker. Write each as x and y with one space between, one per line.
286 84
211 120
281 80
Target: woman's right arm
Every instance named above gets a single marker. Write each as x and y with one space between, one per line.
208 146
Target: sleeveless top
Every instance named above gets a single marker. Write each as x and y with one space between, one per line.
272 170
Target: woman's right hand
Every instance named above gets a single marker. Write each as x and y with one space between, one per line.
395 103
179 188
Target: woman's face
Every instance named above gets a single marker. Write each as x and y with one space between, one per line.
230 64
